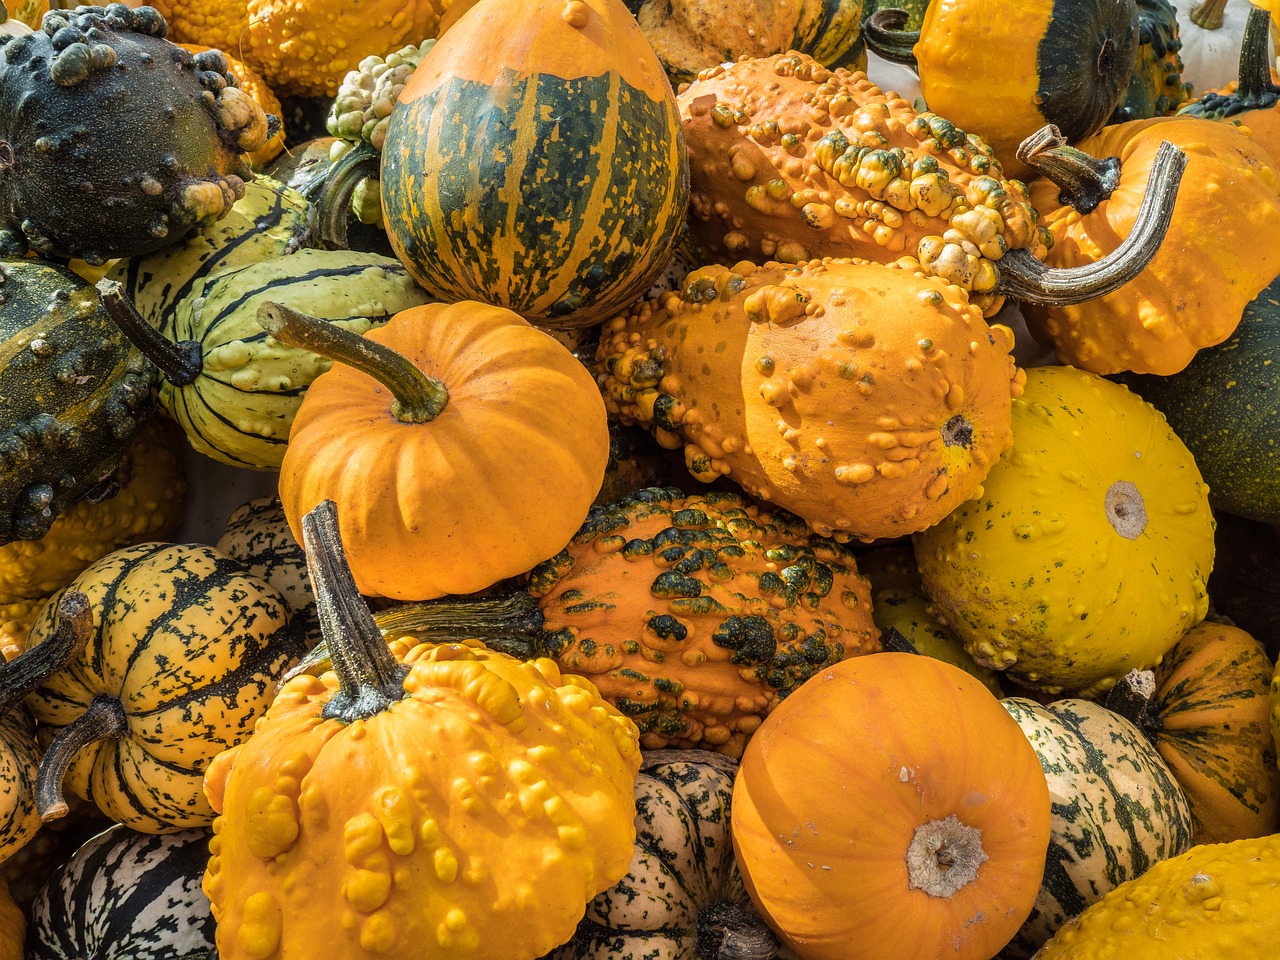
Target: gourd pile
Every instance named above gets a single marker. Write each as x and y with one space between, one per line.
937 419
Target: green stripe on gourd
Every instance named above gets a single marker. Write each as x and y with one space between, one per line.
236 389
269 221
1117 809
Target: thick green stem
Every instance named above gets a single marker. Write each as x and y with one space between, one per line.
418 398
887 38
1083 181
105 719
180 363
1208 14
1255 91
1133 697
370 678
333 205
72 625
1024 277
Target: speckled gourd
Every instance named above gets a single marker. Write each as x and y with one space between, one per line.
417 801
76 392
113 141
1117 809
1088 552
258 535
869 400
791 161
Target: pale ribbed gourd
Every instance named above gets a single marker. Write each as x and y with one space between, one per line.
437 800
800 386
1088 552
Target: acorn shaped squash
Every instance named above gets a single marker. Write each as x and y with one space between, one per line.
138 141
76 391
535 162
1087 553
796 383
499 796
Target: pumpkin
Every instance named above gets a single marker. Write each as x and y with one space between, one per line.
1156 88
223 24
142 500
676 608
251 82
1211 32
126 894
565 202
258 535
103 175
1117 809
1087 553
1205 708
1156 323
794 345
233 390
469 451
863 829
683 896
76 392
183 658
1220 898
499 841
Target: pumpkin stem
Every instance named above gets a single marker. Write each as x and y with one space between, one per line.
944 856
417 398
729 930
1255 91
333 206
1208 14
1083 181
887 37
891 641
105 719
180 363
1133 697
1024 277
72 625
370 678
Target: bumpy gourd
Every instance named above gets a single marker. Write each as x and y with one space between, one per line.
368 94
869 400
75 393
251 82
791 161
138 141
1156 88
435 801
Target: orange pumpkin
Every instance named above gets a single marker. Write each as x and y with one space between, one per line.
478 459
890 807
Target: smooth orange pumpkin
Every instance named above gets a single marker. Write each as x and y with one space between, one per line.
890 807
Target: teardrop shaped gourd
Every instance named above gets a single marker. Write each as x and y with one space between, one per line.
536 162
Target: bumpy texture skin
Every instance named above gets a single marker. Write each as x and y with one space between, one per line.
222 24
363 105
251 82
1117 809
113 141
734 608
1227 212
1156 88
1215 902
864 762
1087 554
791 161
76 392
474 817
869 400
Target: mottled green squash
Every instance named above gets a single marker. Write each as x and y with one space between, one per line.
1156 88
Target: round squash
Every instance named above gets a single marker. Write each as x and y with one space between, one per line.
1087 553
251 82
258 535
1156 88
884 808
535 162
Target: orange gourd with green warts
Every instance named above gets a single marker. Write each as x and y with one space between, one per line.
439 800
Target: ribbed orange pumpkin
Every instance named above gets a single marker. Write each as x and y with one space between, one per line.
890 807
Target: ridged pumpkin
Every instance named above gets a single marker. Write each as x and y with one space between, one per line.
1088 552
535 162
258 535
451 801
797 384
475 457
184 657
1227 210
890 807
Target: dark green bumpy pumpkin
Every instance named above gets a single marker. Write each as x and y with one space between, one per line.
1156 88
113 141
74 391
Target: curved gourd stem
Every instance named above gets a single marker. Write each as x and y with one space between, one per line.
72 626
418 398
1024 277
1208 14
370 678
1133 697
887 38
1255 90
180 363
727 930
333 205
105 719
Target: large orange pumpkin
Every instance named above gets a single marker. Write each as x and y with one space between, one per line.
890 807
